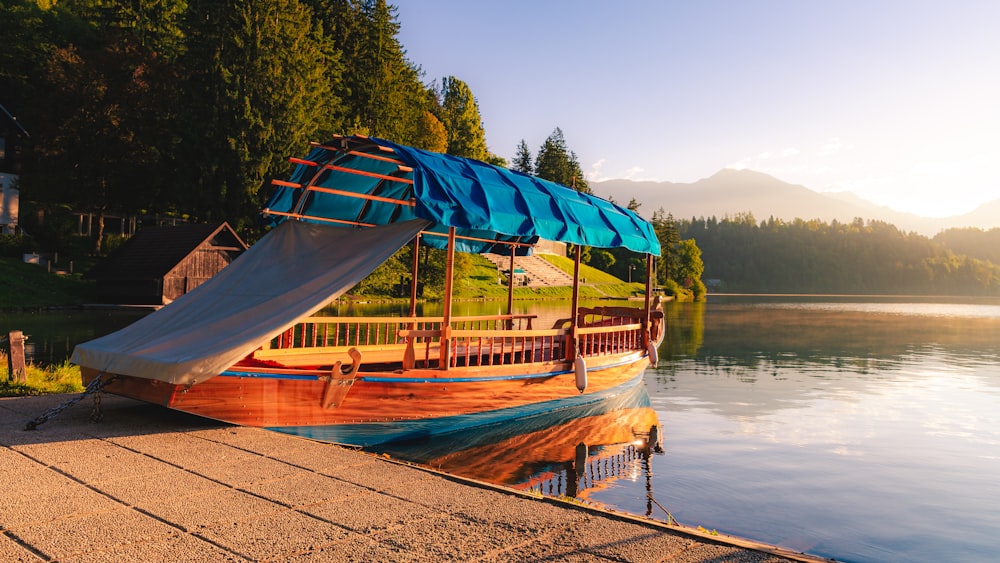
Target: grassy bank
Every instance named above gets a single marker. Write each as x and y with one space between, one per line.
482 284
29 286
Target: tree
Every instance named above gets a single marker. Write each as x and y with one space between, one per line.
972 241
102 119
466 136
382 92
260 81
431 134
557 163
602 259
522 160
668 233
690 267
29 35
155 25
801 256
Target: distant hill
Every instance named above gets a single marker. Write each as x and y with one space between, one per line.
986 214
729 192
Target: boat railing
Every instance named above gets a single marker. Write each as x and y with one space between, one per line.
318 332
485 340
380 338
604 331
489 348
342 332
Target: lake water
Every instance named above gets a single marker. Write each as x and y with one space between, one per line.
51 335
865 430
861 429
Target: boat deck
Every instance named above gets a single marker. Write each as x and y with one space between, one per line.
150 484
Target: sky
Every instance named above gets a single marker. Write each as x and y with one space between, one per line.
896 101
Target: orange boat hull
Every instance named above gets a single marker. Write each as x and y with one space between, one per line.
294 402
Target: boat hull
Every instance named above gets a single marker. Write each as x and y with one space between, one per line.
384 407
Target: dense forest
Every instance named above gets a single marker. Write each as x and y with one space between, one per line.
188 109
775 256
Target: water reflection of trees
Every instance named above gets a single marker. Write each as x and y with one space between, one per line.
52 335
744 335
754 360
748 335
685 330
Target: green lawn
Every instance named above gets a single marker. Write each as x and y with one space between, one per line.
29 286
482 283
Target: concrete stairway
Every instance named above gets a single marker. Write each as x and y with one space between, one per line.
538 271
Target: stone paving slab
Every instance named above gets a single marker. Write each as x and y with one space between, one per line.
150 484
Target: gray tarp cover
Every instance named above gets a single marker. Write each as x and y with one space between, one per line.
291 273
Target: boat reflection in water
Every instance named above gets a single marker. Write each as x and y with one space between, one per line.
567 452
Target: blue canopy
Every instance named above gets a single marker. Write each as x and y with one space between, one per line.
369 181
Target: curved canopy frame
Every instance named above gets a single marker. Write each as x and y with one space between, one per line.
361 181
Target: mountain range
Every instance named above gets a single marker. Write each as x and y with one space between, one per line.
730 192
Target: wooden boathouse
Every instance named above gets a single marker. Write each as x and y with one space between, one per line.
159 264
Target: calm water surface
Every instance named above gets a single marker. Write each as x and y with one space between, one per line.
860 430
852 428
51 335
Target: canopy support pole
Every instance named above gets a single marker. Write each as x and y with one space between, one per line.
413 274
647 308
571 353
449 285
510 289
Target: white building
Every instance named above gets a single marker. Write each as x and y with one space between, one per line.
8 203
12 135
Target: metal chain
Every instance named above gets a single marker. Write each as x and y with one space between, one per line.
94 387
96 414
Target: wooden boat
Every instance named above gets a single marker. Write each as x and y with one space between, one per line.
248 348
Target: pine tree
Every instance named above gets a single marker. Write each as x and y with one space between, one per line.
522 160
260 80
156 25
556 163
669 236
382 91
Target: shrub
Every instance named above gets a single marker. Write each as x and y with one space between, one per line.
14 246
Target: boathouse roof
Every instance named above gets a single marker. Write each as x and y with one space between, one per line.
153 252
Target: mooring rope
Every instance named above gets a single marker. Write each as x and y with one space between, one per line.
670 517
95 386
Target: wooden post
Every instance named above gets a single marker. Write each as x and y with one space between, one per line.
16 370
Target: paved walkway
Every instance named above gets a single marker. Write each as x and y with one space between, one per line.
149 484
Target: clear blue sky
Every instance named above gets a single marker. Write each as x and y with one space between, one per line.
897 101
